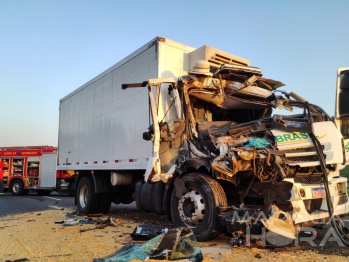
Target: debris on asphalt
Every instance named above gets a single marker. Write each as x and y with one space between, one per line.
237 240
71 214
72 222
173 244
100 224
146 232
108 221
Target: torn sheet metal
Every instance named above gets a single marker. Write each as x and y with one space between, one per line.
253 91
164 177
229 102
171 129
280 222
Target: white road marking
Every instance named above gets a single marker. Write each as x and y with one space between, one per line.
52 198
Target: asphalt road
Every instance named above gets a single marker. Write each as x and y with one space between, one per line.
32 202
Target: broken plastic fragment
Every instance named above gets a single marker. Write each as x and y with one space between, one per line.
256 142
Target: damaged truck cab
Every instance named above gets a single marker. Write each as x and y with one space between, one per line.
212 150
228 150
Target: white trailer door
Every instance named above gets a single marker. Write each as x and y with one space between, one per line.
48 170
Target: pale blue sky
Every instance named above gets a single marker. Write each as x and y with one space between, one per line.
50 48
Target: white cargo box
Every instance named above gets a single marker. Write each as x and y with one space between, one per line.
101 125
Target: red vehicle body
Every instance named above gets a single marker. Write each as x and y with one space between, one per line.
33 168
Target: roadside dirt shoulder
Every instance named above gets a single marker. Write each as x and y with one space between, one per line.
36 237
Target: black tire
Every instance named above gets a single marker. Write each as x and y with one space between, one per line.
159 189
105 203
86 198
207 194
138 194
17 187
43 192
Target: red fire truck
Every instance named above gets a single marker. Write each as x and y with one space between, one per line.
33 168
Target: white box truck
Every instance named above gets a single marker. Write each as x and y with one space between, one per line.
190 133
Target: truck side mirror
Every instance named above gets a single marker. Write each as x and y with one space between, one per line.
147 136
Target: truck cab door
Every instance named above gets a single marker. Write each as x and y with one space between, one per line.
342 107
167 125
167 128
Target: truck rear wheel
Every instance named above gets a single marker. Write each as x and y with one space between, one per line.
17 187
197 206
87 199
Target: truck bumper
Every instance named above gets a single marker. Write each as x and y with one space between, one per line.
308 208
307 211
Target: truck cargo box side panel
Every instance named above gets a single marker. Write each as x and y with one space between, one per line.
102 123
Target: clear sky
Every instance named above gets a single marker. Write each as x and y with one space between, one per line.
50 48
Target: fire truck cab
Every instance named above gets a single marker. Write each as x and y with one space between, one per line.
29 168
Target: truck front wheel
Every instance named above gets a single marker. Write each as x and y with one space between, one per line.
197 206
17 187
87 199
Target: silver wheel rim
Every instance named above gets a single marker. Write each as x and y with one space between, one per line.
83 196
191 207
16 187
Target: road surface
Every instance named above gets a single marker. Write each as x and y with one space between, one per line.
32 202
